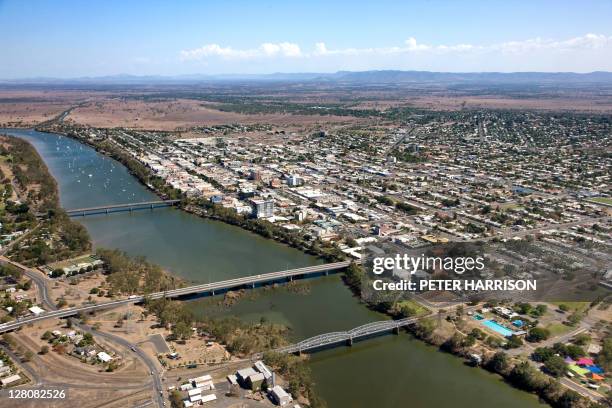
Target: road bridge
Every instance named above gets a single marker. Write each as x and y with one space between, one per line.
206 288
348 337
107 209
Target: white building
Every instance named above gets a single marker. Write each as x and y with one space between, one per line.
104 357
279 396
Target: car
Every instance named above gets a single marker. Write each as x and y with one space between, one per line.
151 372
133 348
593 386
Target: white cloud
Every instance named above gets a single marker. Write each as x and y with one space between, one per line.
590 51
284 49
588 41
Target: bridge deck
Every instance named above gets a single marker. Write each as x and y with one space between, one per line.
125 205
247 281
367 329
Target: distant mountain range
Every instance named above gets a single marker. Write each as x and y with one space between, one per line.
348 77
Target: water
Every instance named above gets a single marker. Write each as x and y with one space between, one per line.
385 372
196 249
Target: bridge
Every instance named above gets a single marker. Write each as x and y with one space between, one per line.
107 209
210 288
347 337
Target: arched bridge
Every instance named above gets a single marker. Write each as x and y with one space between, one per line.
347 337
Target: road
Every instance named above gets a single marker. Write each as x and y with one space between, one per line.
133 348
41 283
248 281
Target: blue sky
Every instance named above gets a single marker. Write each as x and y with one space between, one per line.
92 38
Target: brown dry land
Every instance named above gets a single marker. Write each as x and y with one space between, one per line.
86 384
177 108
181 113
24 108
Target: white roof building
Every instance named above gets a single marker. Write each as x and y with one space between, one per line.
280 396
9 380
104 357
36 310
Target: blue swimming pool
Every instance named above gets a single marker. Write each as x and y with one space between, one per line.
492 324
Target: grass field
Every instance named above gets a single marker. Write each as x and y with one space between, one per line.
604 200
558 329
574 306
416 307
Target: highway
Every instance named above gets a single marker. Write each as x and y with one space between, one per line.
248 281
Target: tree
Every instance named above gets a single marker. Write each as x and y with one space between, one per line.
181 330
514 342
574 318
604 358
44 349
542 354
538 334
175 399
499 363
524 376
582 339
555 366
575 351
28 356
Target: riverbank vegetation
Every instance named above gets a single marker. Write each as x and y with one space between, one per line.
297 374
30 213
243 339
134 275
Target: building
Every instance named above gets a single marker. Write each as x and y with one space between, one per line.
103 357
279 396
294 181
263 208
243 374
36 310
255 381
9 380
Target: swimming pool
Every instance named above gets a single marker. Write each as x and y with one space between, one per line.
492 324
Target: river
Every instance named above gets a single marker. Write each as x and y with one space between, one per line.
389 371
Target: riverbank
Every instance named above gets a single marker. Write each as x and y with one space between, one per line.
325 250
186 247
48 233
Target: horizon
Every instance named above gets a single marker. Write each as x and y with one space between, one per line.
269 75
68 39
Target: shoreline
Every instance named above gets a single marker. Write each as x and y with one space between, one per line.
126 162
135 168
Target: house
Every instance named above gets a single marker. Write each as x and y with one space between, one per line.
36 310
279 396
9 380
103 357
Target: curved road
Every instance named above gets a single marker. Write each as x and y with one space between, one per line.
41 283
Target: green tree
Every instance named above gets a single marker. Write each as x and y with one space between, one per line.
499 363
538 334
555 366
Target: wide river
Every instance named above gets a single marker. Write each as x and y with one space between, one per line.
390 371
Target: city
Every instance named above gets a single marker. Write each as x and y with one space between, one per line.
212 227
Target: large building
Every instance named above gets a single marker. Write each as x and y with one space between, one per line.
263 208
